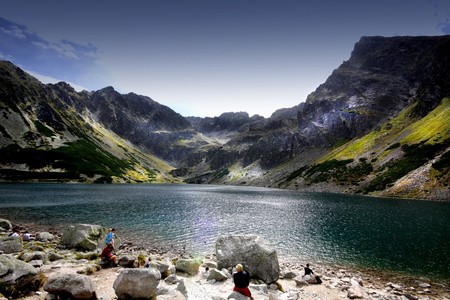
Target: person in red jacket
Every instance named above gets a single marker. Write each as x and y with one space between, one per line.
107 256
241 281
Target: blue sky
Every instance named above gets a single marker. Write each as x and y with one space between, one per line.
203 58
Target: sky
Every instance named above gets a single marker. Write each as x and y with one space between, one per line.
204 58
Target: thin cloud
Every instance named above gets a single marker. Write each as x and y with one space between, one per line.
441 12
64 59
14 31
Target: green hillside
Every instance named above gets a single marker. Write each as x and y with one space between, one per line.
375 163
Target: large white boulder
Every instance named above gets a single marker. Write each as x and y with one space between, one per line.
137 283
257 255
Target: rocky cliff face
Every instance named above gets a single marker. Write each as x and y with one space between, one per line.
384 78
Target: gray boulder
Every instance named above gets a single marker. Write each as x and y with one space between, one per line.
290 275
217 275
210 263
257 255
172 279
36 263
189 266
11 244
32 247
356 291
85 237
137 283
311 279
15 272
259 287
52 256
163 266
36 255
76 285
237 296
192 290
127 261
299 281
5 224
44 237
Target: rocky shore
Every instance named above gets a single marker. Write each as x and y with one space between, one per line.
51 268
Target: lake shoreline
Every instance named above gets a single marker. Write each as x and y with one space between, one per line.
156 248
374 279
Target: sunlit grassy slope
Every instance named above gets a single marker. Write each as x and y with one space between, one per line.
403 146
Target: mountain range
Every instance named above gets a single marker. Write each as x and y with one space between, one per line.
379 125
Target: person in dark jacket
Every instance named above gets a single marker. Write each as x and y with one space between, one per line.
308 271
241 281
107 256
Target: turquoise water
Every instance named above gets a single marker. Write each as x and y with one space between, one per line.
389 234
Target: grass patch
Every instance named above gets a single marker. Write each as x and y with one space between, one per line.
415 156
222 173
44 129
80 157
443 162
333 169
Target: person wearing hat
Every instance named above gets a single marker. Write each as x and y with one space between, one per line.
241 281
109 238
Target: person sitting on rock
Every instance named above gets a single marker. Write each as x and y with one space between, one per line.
26 236
107 256
310 272
241 281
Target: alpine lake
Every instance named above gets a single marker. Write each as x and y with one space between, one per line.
399 235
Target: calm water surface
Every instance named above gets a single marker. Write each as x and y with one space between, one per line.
392 234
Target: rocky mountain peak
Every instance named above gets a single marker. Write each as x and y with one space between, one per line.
381 78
